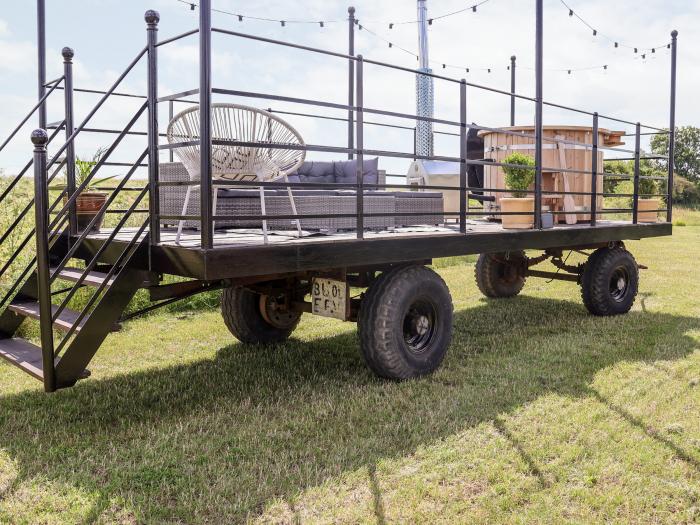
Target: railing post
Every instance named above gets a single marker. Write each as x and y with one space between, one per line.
637 166
539 74
152 18
171 116
360 146
68 55
41 62
351 81
415 143
512 90
463 156
207 224
672 127
594 172
41 212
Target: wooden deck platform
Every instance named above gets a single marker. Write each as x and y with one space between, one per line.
242 253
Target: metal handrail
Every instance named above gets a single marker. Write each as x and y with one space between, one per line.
28 207
103 285
6 191
39 104
99 104
28 238
95 259
423 73
100 163
55 235
72 250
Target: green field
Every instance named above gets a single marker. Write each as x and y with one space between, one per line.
540 414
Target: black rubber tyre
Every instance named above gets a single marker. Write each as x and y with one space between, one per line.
499 280
610 282
405 323
252 319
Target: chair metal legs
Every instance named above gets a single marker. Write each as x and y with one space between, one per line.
294 206
181 222
264 212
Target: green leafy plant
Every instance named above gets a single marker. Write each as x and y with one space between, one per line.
519 180
83 168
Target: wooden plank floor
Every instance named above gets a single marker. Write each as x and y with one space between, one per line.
254 237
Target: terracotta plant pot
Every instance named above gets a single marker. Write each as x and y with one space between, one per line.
647 210
87 205
518 222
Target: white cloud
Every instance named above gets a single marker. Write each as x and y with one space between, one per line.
4 29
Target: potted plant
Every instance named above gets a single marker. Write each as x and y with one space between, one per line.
90 201
518 180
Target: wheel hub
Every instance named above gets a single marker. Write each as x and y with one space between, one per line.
275 315
619 284
419 326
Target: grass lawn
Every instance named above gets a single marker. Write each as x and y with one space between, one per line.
541 413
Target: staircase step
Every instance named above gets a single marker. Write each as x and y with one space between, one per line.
24 355
94 279
64 322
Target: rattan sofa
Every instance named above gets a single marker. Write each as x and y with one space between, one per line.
246 202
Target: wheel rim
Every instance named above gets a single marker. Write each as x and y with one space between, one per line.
419 326
619 284
507 271
276 316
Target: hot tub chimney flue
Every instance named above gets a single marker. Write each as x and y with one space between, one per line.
424 86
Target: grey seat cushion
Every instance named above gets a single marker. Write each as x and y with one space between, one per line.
255 193
417 195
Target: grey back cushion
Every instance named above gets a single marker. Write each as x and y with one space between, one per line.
340 172
320 172
346 171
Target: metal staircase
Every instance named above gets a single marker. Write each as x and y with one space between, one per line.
64 262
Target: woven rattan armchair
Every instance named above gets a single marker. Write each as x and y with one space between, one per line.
233 162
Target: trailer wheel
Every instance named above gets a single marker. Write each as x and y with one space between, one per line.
255 319
405 323
499 276
610 282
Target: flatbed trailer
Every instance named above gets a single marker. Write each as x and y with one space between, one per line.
403 308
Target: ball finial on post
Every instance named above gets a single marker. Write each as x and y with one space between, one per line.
68 54
152 17
674 34
40 138
351 10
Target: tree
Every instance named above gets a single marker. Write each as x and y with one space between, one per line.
687 151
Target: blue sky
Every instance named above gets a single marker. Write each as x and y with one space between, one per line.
106 34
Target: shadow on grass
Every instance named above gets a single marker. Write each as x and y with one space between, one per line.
269 423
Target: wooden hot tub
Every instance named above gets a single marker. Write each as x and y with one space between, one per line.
498 145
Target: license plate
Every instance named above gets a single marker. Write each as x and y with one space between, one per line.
329 298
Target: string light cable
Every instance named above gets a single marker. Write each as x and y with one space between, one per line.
616 42
362 26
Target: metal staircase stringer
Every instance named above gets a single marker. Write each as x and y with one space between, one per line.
101 321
